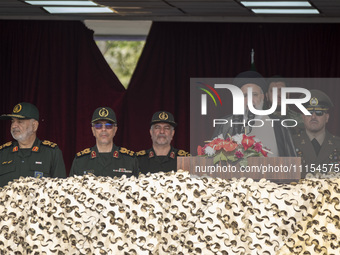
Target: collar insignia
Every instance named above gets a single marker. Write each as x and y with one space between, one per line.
115 154
16 148
172 155
151 154
35 148
93 154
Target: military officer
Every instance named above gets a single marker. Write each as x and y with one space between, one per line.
105 158
162 157
319 149
27 155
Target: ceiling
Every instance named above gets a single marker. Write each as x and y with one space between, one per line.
134 17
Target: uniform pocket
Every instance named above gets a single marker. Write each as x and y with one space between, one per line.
40 169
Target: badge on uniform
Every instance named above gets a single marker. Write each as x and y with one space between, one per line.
38 174
89 171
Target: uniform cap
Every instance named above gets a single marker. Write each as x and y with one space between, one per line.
252 77
104 113
22 111
318 101
165 117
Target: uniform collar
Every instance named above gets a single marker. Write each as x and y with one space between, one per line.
320 138
95 153
171 153
35 147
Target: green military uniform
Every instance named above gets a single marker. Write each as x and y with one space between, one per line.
316 157
44 159
118 162
149 162
329 153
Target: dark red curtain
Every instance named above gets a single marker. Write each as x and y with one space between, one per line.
57 66
175 52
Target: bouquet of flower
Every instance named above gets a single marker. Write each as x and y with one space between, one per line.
233 149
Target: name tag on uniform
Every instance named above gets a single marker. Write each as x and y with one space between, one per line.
38 174
38 162
122 170
89 171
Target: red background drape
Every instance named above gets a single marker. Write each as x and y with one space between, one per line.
57 66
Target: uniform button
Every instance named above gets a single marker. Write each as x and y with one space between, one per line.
23 161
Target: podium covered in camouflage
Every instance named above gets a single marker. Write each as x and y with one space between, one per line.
169 213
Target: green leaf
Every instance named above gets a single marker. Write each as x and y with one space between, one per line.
243 162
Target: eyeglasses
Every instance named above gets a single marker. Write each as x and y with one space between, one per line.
318 112
101 125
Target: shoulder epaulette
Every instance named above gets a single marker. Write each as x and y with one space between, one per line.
141 153
126 151
5 145
183 153
84 152
48 143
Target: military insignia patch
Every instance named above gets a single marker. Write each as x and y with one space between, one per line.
140 153
103 112
151 154
50 144
126 151
17 108
38 174
183 153
93 154
172 155
16 148
115 154
84 152
163 116
314 101
5 145
35 148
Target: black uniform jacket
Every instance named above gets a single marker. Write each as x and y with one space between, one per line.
149 162
119 162
44 159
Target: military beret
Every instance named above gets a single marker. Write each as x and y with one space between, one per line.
22 111
163 116
252 77
104 113
318 101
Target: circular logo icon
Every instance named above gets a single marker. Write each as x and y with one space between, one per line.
163 116
103 112
314 101
17 108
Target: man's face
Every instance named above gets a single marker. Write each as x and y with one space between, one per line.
104 132
269 94
22 129
162 133
257 95
314 123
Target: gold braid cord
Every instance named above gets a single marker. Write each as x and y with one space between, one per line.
169 214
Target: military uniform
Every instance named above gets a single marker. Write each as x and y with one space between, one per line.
329 152
149 162
118 162
44 159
